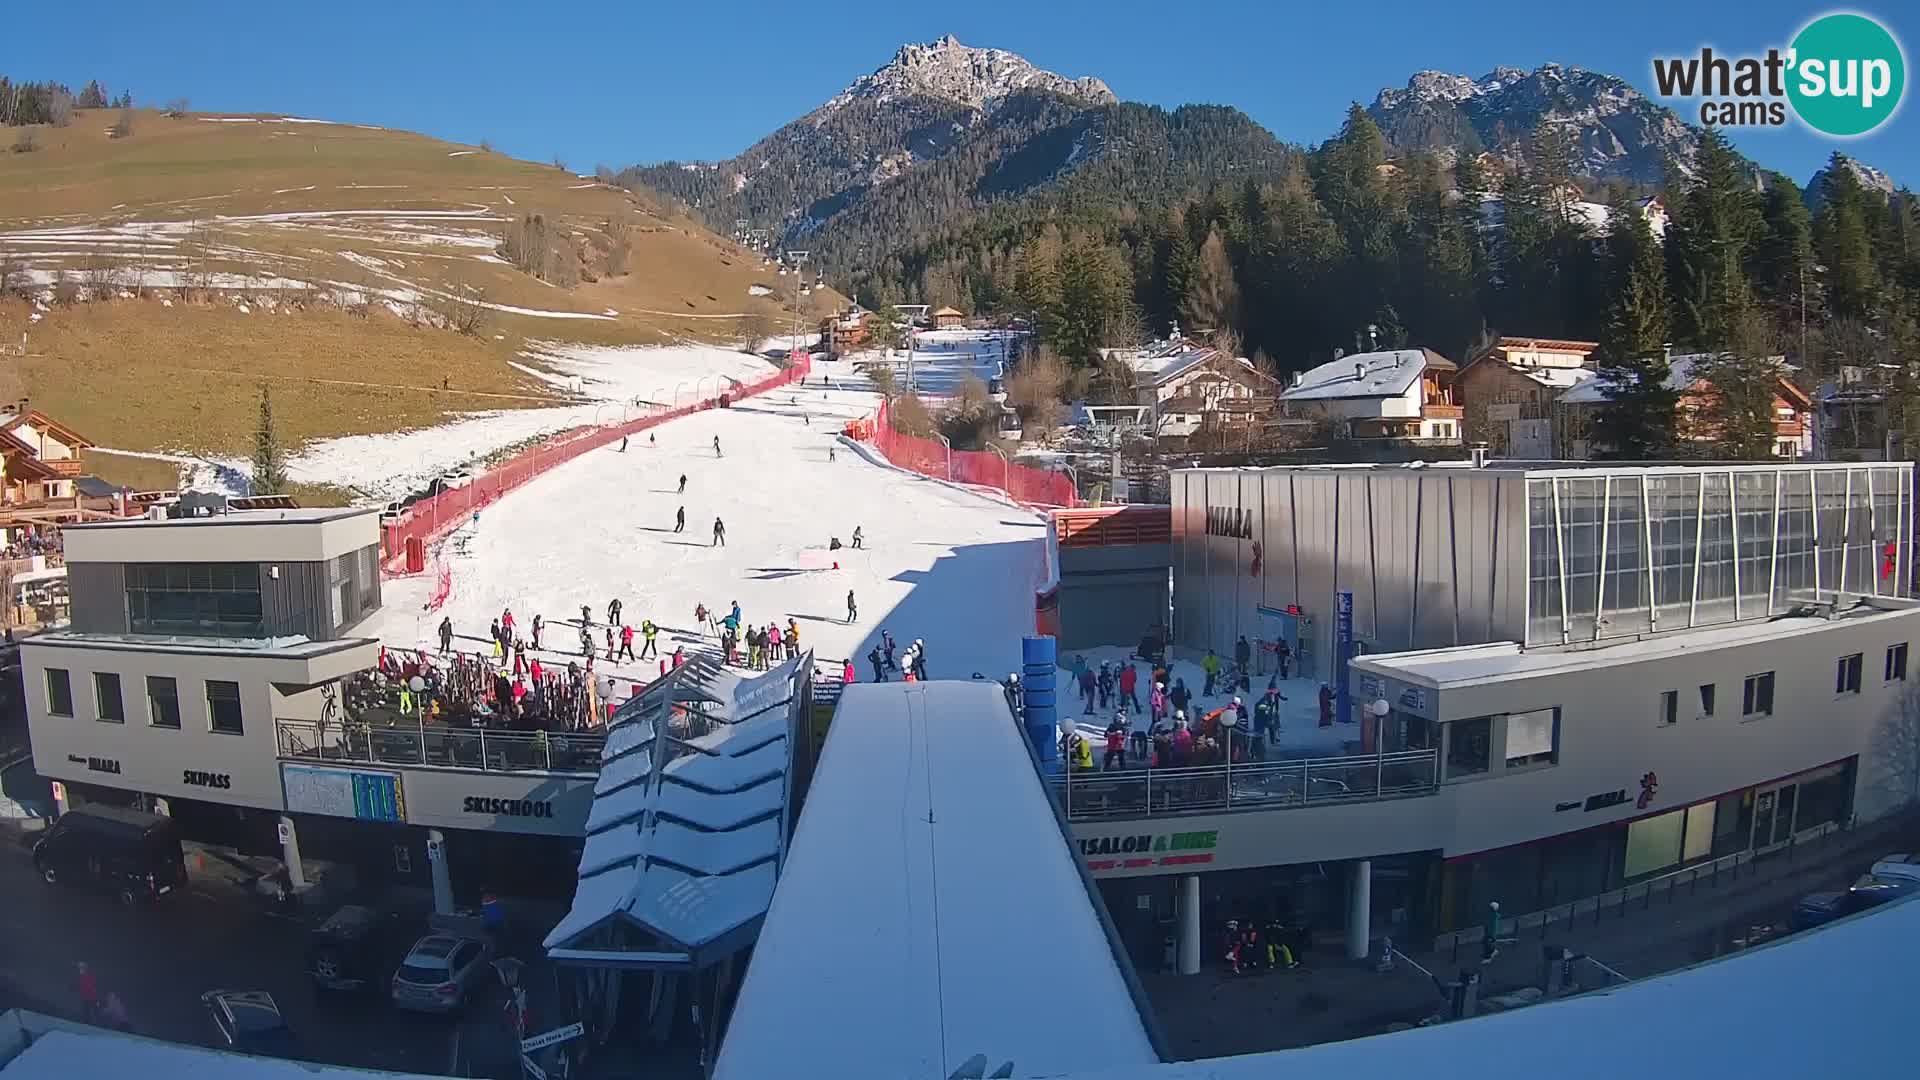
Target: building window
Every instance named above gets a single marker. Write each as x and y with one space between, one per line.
163 702
59 692
1706 699
1758 700
1897 662
1533 738
1846 675
223 706
202 599
1669 707
106 696
1469 746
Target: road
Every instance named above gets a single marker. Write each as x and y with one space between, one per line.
159 960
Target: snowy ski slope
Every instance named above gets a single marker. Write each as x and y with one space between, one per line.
950 566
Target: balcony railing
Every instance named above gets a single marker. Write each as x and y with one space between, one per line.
1442 410
1268 785
441 747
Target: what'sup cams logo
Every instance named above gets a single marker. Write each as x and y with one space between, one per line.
1843 75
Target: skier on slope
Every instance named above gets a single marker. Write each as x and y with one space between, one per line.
716 446
446 633
626 642
680 520
586 616
886 644
652 443
539 624
613 611
648 630
719 533
683 484
859 539
623 444
853 610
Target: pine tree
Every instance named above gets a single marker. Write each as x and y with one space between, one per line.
269 460
1844 238
1212 301
1739 412
93 95
1638 421
1716 224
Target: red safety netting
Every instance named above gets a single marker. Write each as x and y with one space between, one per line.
429 519
984 468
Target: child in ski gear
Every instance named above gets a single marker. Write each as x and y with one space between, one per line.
648 630
626 642
1157 698
610 646
859 539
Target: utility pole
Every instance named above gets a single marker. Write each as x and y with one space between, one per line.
799 259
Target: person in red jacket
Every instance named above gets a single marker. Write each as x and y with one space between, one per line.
626 642
1129 678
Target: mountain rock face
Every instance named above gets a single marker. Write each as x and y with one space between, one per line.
1618 131
977 78
1869 177
938 133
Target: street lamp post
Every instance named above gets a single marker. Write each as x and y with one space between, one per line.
1006 463
949 445
799 260
1227 721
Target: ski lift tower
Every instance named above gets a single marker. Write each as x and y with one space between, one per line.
799 260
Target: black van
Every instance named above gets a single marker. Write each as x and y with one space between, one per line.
133 855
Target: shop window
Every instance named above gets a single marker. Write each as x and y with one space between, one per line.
59 692
211 599
1469 746
106 696
163 702
223 707
1533 738
1698 840
1897 662
1758 699
1706 699
1654 843
1669 707
1846 675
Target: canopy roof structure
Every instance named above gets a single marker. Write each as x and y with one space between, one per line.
689 820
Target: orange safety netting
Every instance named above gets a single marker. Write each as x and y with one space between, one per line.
983 468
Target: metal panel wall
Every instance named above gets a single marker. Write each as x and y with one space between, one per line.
296 601
98 592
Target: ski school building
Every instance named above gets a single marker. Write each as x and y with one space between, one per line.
207 673
1560 680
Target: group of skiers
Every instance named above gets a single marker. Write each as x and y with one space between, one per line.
885 657
765 645
471 690
1165 736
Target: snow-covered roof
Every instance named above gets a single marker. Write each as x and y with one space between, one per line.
1558 378
1840 1011
685 835
930 910
1684 370
1366 375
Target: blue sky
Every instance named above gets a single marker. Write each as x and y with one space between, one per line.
616 84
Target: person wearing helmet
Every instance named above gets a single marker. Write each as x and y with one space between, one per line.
920 661
1012 689
1157 700
1182 738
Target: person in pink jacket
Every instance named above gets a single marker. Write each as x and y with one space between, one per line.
846 671
1157 701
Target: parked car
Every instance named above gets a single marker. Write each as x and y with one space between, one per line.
350 951
1821 908
133 855
439 971
1897 868
249 1022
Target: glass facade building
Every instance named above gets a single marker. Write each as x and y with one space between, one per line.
1549 554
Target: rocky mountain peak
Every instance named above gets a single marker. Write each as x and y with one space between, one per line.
1617 130
975 77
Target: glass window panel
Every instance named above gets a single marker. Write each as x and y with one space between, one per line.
1531 736
1654 843
1469 746
59 692
1698 843
223 707
163 701
106 696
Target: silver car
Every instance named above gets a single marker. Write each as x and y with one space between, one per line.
439 971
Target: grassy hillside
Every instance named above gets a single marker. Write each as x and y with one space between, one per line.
209 253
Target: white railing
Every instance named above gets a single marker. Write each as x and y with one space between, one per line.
1263 785
441 747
